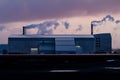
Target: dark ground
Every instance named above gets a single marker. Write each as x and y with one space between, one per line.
44 67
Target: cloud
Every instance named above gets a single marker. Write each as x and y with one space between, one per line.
29 10
6 31
2 28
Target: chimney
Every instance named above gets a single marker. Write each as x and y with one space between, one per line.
24 31
91 29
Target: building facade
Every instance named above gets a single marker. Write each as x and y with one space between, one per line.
103 43
3 48
59 44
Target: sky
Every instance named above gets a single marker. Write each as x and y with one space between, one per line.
77 15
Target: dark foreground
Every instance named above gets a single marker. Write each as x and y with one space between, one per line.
42 67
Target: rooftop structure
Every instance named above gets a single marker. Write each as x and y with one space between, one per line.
51 36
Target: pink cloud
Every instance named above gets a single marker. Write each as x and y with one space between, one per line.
29 10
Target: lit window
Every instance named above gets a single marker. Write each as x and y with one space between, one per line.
77 46
34 49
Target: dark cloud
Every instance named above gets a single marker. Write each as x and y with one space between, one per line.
28 10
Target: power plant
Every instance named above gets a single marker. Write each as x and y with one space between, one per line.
60 44
87 45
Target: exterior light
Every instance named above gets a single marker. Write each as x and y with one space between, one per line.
78 47
34 49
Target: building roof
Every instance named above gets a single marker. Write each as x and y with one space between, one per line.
51 36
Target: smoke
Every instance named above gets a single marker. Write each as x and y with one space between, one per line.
79 28
42 28
109 25
2 28
31 26
66 24
108 18
47 27
117 21
105 19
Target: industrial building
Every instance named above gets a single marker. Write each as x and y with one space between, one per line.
60 44
3 49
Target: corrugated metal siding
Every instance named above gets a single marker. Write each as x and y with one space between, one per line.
65 44
65 48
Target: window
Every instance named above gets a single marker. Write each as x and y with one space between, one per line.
97 42
77 46
34 50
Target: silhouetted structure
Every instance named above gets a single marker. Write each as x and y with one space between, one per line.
4 51
60 44
3 48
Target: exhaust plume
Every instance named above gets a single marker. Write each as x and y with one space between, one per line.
66 24
117 21
109 25
105 19
48 27
79 28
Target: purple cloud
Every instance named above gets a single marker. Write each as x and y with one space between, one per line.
2 28
29 10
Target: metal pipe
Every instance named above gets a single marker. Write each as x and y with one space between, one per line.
24 31
91 29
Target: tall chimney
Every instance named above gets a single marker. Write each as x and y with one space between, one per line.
24 31
91 29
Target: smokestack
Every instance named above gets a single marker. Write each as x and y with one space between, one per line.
91 29
24 31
